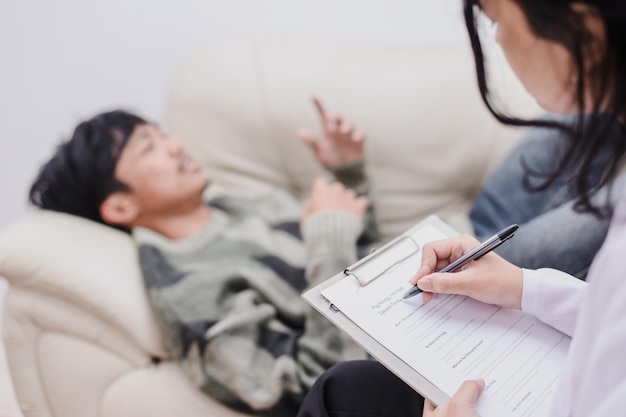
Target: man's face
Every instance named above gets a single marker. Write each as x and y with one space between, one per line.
162 178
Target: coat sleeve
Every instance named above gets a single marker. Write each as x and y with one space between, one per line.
554 297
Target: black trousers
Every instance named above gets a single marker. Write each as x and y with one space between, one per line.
361 389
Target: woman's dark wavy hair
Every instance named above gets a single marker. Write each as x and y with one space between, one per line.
559 21
80 175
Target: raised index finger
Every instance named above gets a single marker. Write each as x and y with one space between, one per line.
320 108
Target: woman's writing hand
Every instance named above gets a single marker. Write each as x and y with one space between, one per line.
490 279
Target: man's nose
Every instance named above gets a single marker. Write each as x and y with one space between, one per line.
174 146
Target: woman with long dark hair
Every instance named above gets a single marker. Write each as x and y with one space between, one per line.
570 56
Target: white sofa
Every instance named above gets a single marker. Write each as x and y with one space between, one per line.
79 335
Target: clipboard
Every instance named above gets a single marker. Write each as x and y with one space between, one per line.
365 271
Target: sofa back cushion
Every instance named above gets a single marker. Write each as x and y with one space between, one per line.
431 141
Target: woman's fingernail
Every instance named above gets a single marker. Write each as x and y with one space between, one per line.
425 284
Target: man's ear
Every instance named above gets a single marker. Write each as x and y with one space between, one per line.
120 209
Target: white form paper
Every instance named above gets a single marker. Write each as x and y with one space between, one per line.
453 338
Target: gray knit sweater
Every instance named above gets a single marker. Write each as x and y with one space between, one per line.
228 298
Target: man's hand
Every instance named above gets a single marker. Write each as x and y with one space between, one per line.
341 144
333 197
462 404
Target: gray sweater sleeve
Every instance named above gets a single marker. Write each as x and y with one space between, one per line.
330 238
353 176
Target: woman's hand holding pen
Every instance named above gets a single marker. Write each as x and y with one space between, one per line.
491 279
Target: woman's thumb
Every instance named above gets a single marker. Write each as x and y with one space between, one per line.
469 392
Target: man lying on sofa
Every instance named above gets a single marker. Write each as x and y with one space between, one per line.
224 277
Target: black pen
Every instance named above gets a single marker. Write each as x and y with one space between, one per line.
481 250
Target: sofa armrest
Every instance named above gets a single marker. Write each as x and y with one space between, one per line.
92 268
55 348
65 361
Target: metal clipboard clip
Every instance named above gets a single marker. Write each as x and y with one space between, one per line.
382 260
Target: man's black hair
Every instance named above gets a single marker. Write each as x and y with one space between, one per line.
81 174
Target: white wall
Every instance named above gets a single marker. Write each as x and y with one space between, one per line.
64 60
